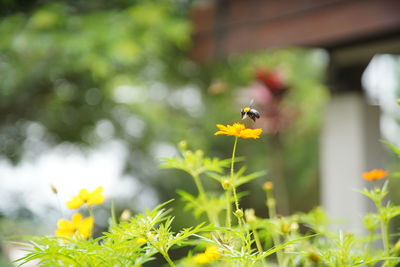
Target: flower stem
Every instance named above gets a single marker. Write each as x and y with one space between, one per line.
385 237
228 208
203 197
258 243
271 204
384 227
199 185
257 239
60 206
90 209
168 259
232 174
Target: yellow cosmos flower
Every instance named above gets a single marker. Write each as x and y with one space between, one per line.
375 175
210 254
77 226
90 198
239 130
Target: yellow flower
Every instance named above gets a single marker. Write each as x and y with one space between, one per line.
375 175
202 258
77 226
239 130
210 254
90 198
141 240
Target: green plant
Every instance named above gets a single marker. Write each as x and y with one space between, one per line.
303 239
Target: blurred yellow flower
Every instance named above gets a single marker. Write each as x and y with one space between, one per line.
239 130
141 240
202 258
90 198
210 254
375 175
77 226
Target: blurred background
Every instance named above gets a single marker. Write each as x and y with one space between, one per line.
97 92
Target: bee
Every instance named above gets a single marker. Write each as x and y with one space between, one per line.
250 112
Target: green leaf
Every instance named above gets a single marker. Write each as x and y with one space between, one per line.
392 147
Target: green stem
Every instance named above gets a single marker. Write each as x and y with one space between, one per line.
385 237
60 206
113 216
203 196
370 245
168 259
232 174
199 185
384 228
258 244
272 214
90 209
228 208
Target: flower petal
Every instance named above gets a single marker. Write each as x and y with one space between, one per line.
140 241
85 227
239 130
84 194
96 197
65 225
221 127
75 203
202 258
212 252
375 174
63 233
76 219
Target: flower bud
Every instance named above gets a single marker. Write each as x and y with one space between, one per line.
125 215
371 222
199 153
54 189
226 184
271 202
398 101
250 216
377 190
285 227
239 213
183 145
397 247
268 186
314 257
294 226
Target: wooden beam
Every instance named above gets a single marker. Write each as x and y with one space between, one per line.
235 26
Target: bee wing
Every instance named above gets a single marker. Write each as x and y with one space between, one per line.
251 102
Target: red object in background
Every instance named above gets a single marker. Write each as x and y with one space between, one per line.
273 80
269 91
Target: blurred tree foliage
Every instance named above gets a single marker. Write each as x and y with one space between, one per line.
88 72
